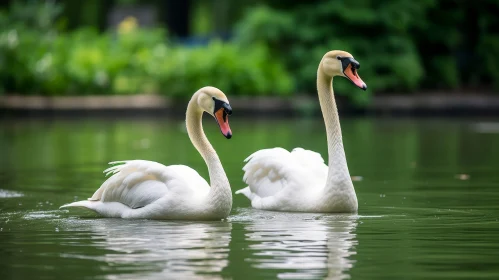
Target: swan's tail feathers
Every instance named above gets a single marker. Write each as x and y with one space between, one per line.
247 192
117 166
84 203
106 209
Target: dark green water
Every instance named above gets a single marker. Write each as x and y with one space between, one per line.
427 189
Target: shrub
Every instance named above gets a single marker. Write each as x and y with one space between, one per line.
379 40
402 45
129 61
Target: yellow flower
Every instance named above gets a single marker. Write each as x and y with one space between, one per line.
127 25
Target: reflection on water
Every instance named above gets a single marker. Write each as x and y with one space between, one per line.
157 249
301 246
268 244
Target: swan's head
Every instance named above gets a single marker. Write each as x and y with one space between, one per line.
214 102
340 63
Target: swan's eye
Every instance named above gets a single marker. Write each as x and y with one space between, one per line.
219 104
338 57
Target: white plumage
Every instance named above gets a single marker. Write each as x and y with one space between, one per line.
147 189
281 180
299 180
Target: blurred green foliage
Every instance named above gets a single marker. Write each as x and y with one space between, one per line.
37 58
402 45
379 41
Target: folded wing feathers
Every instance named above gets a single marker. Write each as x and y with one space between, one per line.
121 170
117 166
260 163
268 171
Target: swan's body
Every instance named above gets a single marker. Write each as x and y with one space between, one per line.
146 189
299 180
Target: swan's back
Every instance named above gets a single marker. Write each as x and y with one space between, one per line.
143 188
277 174
139 181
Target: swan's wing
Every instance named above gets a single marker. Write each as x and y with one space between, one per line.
138 183
312 162
269 171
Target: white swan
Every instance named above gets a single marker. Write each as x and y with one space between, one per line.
300 181
146 189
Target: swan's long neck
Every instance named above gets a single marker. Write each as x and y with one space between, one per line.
338 179
220 195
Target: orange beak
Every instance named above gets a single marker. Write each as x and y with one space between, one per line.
223 121
351 73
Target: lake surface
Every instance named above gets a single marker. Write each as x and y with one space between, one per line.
428 203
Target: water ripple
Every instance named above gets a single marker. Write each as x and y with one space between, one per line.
157 249
8 194
301 246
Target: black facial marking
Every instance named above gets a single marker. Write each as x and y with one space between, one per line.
349 60
219 104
